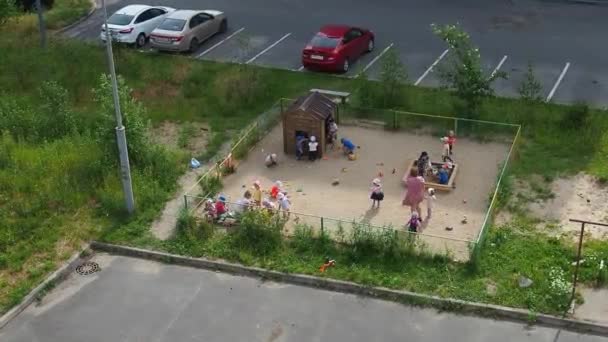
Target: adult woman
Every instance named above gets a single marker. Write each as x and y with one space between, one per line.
414 194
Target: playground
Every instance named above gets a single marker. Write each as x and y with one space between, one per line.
387 155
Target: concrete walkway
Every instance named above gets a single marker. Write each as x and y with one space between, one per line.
138 300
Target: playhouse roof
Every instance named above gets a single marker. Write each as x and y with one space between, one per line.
318 105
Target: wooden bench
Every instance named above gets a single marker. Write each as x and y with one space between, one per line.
339 94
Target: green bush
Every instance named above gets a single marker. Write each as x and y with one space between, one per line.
259 231
305 240
576 117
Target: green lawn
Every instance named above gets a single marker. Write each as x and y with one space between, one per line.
59 188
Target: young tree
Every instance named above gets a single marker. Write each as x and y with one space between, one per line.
530 87
462 71
133 117
393 75
365 92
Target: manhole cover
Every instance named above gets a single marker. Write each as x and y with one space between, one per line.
87 268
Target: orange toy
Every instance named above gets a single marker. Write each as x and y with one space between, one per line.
328 263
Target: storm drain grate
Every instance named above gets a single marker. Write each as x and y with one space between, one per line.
87 268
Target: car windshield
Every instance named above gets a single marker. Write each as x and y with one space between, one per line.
324 41
172 24
120 19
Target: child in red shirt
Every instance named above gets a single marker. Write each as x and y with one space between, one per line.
276 189
220 206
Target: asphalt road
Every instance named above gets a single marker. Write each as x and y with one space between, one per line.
137 300
565 42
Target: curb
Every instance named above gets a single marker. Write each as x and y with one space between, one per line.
583 2
406 297
80 20
56 277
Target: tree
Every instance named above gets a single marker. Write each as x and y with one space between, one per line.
393 75
463 72
133 114
8 9
530 87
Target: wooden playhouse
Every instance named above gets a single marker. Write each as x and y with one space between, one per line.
308 115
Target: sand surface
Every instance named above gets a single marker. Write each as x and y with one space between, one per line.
380 151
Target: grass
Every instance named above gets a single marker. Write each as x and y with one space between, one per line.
510 252
58 191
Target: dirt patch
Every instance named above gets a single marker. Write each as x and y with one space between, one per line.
580 196
167 133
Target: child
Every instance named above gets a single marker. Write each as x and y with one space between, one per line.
284 204
444 175
271 160
257 192
210 212
423 163
429 202
333 133
312 148
347 146
276 189
268 204
451 141
377 195
414 225
220 206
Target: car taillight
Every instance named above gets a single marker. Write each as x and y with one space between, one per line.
177 39
129 30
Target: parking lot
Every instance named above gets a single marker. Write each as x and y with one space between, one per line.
565 43
138 300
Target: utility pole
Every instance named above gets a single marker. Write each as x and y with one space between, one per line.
41 25
125 170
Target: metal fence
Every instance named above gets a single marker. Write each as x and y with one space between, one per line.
224 164
208 184
342 231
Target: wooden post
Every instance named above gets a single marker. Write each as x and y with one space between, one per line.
322 228
185 201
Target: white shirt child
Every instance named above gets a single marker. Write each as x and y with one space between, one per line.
312 146
430 198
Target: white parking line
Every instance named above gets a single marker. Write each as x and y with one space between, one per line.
502 61
375 60
220 42
301 68
431 67
559 80
268 48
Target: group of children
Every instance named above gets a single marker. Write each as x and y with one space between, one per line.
424 168
219 211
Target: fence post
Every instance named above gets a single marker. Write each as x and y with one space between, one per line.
394 120
322 228
456 127
281 104
185 201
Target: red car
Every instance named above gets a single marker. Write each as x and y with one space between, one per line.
336 47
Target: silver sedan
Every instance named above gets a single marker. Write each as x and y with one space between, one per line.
184 30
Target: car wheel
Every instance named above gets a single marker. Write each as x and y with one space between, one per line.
224 26
345 65
193 44
140 41
370 45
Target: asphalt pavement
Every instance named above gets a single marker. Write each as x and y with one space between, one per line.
564 42
138 300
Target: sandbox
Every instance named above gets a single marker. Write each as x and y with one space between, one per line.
309 184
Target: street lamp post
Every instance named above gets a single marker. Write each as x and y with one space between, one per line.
125 170
41 25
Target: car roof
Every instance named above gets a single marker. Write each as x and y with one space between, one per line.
334 30
182 14
133 9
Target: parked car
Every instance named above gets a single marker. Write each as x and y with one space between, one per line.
134 23
336 47
184 30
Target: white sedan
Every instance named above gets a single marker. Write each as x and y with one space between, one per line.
134 23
